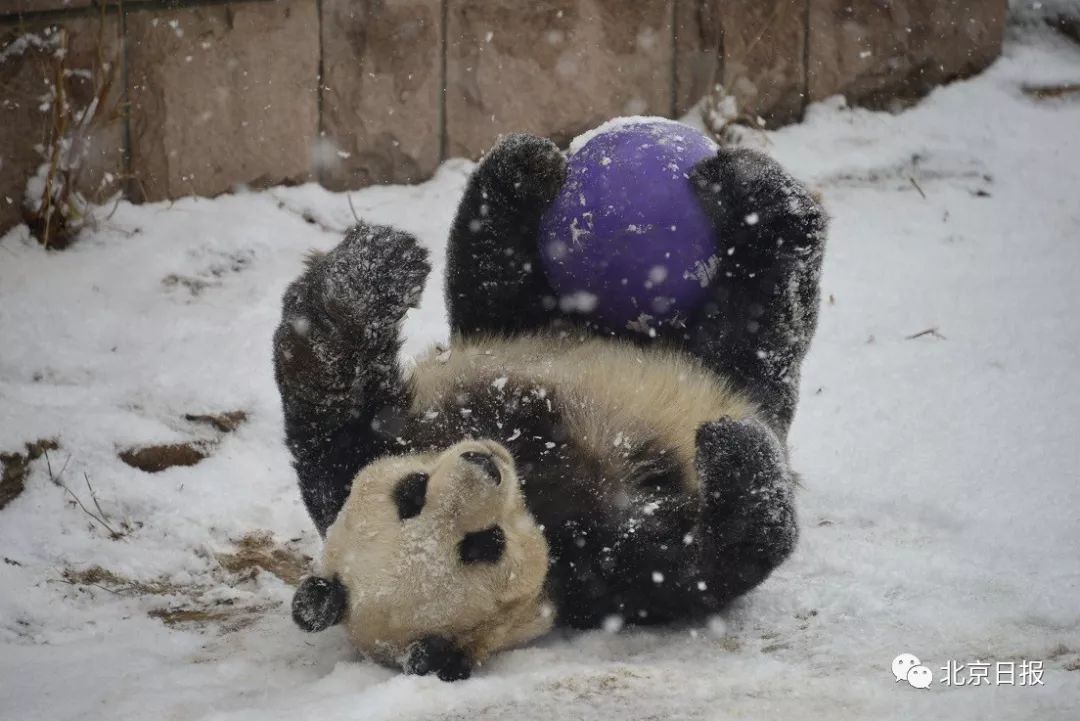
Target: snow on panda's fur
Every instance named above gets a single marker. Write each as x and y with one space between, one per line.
615 420
541 470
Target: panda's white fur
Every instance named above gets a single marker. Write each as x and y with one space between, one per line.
404 578
613 393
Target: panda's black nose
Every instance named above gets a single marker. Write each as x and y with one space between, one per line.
486 463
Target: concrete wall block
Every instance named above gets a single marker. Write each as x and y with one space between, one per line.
16 7
228 93
28 8
222 95
381 91
763 52
698 33
873 51
26 66
555 68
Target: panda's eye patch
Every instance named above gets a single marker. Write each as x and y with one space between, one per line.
485 546
409 495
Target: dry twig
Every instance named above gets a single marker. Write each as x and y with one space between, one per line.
348 196
56 209
100 517
917 187
933 332
113 534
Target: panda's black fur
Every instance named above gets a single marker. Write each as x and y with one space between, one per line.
347 400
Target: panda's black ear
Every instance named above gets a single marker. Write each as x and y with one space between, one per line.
319 603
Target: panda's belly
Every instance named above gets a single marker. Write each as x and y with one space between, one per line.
620 407
602 434
565 474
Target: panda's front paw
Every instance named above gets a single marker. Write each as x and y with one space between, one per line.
743 177
527 167
372 277
438 655
757 203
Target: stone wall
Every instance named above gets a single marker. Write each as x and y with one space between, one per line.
212 95
382 64
222 94
874 51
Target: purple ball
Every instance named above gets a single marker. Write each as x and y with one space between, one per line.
626 242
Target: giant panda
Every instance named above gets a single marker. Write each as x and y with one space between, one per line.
543 469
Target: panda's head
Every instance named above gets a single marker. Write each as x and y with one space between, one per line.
433 563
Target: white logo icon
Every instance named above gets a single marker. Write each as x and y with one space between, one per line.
920 677
902 664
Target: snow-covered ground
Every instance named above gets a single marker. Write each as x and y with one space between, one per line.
941 499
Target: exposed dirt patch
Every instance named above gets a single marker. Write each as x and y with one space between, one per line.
593 686
16 466
194 286
227 618
1051 92
157 458
1059 651
154 459
211 275
107 580
234 262
176 616
258 552
201 603
224 422
190 605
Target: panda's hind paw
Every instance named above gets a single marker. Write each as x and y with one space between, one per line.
748 513
438 655
743 454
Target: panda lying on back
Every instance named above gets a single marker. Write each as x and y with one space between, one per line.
542 470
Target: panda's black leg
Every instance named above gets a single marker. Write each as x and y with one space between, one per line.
747 525
494 280
761 313
335 359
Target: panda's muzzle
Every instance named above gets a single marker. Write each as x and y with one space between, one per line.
485 463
